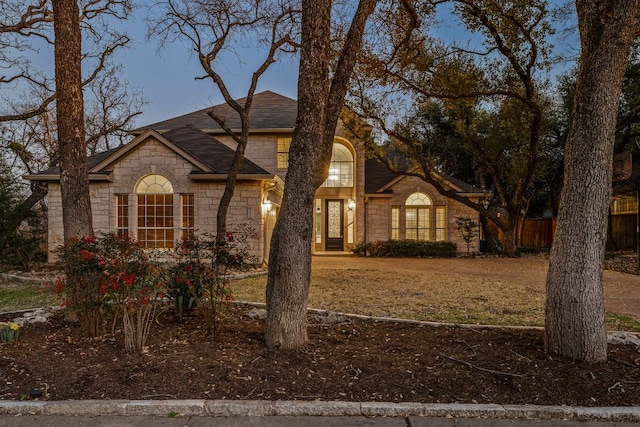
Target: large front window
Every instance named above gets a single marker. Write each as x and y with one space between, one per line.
417 217
340 168
155 212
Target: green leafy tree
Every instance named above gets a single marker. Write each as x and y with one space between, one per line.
19 246
488 99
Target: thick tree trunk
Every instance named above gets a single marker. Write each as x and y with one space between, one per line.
510 245
74 179
319 106
575 316
290 255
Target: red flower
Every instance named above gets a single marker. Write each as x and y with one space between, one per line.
128 278
59 285
86 254
187 282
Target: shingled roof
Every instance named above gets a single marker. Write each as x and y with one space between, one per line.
91 161
377 176
269 111
201 146
210 151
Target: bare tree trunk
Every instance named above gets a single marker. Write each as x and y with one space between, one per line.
509 244
575 316
310 153
74 179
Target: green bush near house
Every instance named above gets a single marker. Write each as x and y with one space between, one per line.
406 249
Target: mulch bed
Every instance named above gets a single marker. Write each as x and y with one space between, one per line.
357 360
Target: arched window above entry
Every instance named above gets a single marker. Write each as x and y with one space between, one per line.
154 184
418 199
340 168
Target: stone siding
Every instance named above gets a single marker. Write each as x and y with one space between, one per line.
379 212
153 157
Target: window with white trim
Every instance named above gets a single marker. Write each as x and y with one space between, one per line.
417 217
155 212
340 168
283 144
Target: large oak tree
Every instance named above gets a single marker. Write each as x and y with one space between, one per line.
575 315
320 100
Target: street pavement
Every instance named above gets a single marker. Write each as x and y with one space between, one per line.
230 413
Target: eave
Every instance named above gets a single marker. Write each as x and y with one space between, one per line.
224 176
94 177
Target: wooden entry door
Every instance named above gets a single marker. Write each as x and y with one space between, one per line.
334 225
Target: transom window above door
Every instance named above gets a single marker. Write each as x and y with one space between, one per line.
340 168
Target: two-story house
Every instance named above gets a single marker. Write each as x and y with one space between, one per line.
167 181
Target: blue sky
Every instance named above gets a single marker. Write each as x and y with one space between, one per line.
168 76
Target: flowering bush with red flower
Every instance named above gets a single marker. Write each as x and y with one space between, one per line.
110 269
83 285
202 269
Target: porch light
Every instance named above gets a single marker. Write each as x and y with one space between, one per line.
266 204
351 204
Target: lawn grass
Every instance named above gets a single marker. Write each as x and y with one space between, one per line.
427 296
21 295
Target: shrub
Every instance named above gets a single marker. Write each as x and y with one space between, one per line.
84 284
406 249
110 269
203 265
19 245
468 229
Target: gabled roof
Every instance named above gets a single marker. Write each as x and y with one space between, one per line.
209 150
210 157
269 112
380 180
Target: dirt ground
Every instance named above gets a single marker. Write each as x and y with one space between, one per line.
350 359
621 290
346 359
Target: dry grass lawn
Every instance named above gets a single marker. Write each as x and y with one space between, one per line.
430 296
500 292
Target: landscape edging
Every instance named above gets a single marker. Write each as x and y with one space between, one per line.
225 408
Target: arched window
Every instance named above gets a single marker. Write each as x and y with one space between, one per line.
417 217
340 168
155 212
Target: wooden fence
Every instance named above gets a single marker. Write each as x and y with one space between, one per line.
538 232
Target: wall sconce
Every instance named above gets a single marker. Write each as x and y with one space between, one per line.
266 204
351 204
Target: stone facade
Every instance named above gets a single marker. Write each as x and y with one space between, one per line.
153 157
257 197
379 212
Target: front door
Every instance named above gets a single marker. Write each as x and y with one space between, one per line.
334 225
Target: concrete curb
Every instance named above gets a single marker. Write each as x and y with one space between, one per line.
226 408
